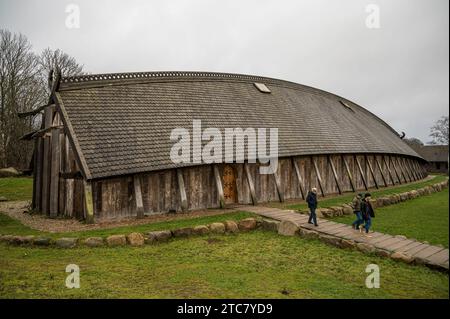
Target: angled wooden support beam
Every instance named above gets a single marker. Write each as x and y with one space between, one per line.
88 202
138 196
46 160
414 169
381 171
405 168
358 164
182 189
391 160
319 178
410 169
371 171
400 168
219 186
250 184
54 173
333 169
279 186
349 174
299 178
39 148
389 170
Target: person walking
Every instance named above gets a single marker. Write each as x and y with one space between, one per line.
368 213
311 199
356 203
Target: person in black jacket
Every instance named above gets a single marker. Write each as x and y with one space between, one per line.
368 213
311 199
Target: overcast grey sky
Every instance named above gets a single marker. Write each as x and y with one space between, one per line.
399 71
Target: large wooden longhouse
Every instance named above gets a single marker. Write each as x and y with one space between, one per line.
103 150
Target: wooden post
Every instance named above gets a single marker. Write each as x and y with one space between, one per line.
88 202
395 169
46 159
381 171
389 170
250 184
319 178
138 197
333 169
413 170
299 178
184 203
219 186
349 174
279 187
54 173
371 171
38 174
358 164
405 168
69 182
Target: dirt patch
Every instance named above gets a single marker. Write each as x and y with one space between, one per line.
19 211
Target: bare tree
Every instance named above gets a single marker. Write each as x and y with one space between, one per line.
439 131
19 92
57 60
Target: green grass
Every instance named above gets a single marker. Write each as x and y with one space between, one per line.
258 264
424 218
16 188
11 226
347 197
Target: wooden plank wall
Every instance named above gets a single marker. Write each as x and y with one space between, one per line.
114 198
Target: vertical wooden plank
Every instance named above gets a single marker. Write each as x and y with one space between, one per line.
88 202
319 178
219 186
38 173
405 167
69 182
371 171
381 171
412 169
333 169
46 160
395 170
299 177
182 190
250 183
349 174
358 164
138 197
402 172
54 173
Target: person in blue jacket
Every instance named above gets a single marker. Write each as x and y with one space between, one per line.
311 199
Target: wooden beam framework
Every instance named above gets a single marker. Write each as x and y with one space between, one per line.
88 202
250 184
389 170
358 164
333 169
371 171
349 174
279 186
299 178
395 170
54 173
381 171
319 178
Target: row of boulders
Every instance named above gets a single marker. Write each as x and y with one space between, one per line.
387 200
139 239
289 228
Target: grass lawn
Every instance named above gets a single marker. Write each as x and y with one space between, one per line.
16 188
11 226
347 197
254 265
424 218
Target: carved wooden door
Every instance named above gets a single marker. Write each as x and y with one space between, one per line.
229 184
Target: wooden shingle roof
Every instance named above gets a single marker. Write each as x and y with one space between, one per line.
433 153
121 123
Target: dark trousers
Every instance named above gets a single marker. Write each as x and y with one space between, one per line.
312 215
359 220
